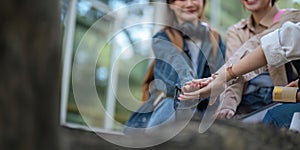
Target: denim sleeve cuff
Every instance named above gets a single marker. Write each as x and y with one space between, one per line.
272 48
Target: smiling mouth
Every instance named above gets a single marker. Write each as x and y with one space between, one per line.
189 11
250 2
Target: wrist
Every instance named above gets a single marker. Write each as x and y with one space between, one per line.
229 73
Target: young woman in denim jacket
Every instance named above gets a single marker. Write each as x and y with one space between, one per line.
201 55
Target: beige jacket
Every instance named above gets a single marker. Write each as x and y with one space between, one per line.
246 40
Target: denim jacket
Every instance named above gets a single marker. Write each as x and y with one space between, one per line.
175 68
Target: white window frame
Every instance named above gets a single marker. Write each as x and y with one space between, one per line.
68 40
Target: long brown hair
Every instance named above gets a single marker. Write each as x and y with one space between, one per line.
273 2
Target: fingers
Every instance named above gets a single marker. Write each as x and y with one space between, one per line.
230 114
225 114
214 76
191 93
186 88
190 87
221 114
187 97
196 84
199 80
212 101
201 93
293 84
197 88
203 82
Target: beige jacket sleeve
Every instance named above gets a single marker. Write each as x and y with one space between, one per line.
234 42
282 45
233 92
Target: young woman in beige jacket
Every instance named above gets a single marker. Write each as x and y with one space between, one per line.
277 48
245 95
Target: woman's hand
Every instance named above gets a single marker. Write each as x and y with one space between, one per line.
196 84
193 86
293 83
226 113
203 88
209 87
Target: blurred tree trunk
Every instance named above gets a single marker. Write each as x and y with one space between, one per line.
30 50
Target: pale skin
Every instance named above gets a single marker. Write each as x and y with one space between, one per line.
295 84
187 10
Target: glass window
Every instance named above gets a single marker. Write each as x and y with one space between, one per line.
121 47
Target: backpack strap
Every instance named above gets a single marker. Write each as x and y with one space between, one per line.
177 40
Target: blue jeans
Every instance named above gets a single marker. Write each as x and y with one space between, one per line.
258 94
256 100
164 112
281 116
171 110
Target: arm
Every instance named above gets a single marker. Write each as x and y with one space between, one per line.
247 64
278 48
215 87
232 95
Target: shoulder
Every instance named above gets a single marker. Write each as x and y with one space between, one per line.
291 11
241 25
240 31
291 14
161 34
209 27
213 31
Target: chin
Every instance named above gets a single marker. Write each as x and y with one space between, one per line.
190 18
252 9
